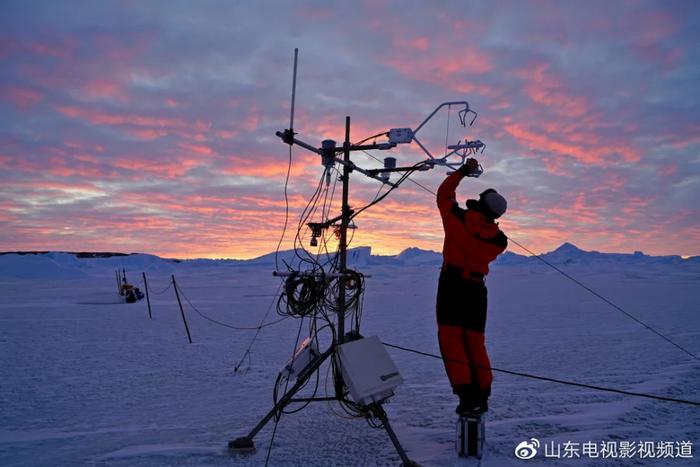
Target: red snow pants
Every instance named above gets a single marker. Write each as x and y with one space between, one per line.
461 316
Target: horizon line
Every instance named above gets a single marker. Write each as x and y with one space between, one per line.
119 253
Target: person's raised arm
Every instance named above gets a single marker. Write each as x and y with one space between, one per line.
446 194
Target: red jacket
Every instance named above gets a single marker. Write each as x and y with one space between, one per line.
471 240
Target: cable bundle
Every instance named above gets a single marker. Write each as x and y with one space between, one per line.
303 295
354 293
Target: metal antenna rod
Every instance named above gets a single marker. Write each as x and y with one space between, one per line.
343 251
294 89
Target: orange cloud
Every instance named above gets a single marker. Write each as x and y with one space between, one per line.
268 167
587 154
201 149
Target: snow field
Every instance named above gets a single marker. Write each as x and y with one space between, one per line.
90 381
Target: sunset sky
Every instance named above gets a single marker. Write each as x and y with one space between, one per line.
150 126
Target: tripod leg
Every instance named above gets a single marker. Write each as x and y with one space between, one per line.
381 414
245 443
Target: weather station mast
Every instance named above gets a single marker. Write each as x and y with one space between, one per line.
364 374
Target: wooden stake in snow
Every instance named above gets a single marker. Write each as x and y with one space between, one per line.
182 312
148 299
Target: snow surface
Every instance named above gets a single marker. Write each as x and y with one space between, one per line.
87 380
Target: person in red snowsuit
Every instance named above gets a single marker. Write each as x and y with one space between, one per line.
472 240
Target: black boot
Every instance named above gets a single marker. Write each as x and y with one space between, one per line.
468 400
483 399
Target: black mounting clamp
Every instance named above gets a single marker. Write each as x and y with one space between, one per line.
288 136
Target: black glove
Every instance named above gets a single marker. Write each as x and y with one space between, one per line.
469 167
464 170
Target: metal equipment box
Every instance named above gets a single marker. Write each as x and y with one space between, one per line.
368 370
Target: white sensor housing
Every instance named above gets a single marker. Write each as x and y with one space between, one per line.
303 356
400 135
368 370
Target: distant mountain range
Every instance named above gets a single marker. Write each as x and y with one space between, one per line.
79 264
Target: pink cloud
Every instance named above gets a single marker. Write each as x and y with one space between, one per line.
5 160
21 97
572 131
115 48
546 88
19 163
100 117
59 47
252 120
227 134
146 134
261 166
315 13
418 43
139 167
7 46
81 145
200 149
443 67
635 205
51 184
145 127
562 103
446 62
655 25
104 88
172 103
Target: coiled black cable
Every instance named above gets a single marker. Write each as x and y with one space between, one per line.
303 294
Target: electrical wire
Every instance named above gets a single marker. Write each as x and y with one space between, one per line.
385 133
410 179
306 403
278 416
272 439
447 133
286 208
313 332
220 323
170 284
606 300
325 216
545 378
303 294
630 315
312 206
257 332
309 209
403 178
325 209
